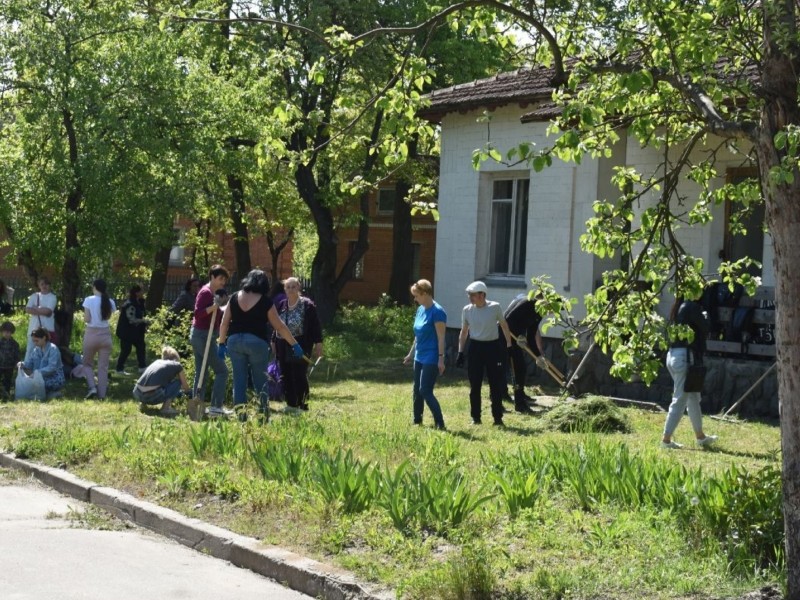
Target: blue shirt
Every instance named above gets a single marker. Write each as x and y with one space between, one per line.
427 347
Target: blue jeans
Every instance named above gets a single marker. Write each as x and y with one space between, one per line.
424 379
249 355
198 337
678 365
159 396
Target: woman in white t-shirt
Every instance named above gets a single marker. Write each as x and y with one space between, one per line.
97 310
41 308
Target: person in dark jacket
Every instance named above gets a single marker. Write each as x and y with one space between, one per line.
523 320
681 354
130 329
185 300
300 316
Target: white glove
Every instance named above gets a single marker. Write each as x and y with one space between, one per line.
541 362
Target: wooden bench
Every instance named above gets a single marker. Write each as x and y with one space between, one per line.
763 319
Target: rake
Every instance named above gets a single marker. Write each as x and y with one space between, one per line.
551 369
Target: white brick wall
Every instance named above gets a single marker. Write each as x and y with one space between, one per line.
463 229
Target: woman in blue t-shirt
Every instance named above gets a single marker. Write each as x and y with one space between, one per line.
427 351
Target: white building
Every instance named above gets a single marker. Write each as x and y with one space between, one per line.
504 224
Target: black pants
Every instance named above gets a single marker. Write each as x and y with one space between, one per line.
6 377
125 346
485 357
295 383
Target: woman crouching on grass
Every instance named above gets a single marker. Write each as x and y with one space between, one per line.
45 358
427 350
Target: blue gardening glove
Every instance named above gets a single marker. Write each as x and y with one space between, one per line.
222 351
298 350
460 360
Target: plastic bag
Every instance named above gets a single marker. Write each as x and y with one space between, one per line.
274 381
29 387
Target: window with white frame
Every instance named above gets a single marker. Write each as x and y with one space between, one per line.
509 226
386 198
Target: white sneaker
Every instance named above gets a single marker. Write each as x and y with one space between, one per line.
121 373
673 445
213 411
707 441
91 394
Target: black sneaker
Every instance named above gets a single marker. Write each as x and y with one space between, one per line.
523 409
476 421
499 423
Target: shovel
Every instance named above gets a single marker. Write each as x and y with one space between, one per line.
313 365
196 407
551 369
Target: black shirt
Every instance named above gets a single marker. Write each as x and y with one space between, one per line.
253 321
692 314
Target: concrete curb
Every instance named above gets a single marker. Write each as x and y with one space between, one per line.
297 572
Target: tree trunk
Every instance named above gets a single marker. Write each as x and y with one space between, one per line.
241 239
158 280
780 80
70 270
402 248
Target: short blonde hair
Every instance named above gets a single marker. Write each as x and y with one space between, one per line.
169 353
423 286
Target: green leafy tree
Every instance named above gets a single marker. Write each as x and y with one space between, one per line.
90 105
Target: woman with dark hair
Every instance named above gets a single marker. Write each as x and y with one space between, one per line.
300 316
244 334
185 300
681 354
97 310
130 329
45 358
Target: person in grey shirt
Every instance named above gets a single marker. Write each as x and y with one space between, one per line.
161 382
479 321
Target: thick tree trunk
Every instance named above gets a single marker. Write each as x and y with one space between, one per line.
402 248
783 215
779 79
241 238
158 280
70 270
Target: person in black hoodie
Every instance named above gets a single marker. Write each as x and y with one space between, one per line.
130 330
681 354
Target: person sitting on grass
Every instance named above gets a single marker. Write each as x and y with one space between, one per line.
162 382
45 358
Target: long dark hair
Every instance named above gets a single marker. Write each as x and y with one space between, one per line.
105 301
673 312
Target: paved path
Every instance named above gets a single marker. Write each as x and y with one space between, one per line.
46 555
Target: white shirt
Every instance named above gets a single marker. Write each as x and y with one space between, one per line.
48 300
92 304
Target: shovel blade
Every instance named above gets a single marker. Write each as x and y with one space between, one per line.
196 409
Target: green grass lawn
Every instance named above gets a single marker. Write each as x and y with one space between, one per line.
425 512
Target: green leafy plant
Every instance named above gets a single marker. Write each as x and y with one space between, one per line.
342 479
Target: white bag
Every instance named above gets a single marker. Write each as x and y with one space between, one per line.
29 387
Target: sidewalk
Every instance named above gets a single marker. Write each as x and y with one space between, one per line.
47 551
44 556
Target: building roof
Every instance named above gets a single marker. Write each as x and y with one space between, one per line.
530 86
